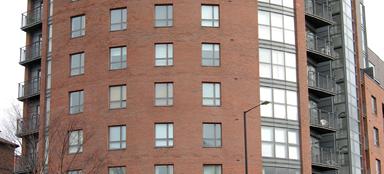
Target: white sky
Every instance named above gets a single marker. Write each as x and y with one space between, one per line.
12 38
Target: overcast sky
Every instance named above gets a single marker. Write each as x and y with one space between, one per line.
12 38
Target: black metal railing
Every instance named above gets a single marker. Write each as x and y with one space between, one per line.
29 88
31 17
319 8
323 45
25 163
322 118
321 81
324 156
30 52
28 125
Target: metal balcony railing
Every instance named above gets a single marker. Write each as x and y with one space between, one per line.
25 163
28 125
29 88
320 81
324 156
31 17
320 45
321 118
30 52
320 8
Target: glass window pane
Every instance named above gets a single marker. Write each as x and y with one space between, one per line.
280 135
279 111
264 18
290 74
207 90
280 151
267 150
277 20
161 131
292 137
265 94
266 134
264 32
265 55
292 113
278 96
265 70
292 97
266 110
293 152
277 34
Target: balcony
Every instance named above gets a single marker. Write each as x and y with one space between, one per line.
31 19
27 126
318 13
321 85
25 163
29 89
324 158
30 53
320 48
322 121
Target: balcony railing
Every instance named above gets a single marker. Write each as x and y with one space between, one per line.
324 157
30 52
323 119
25 163
321 81
319 8
320 45
31 17
28 125
29 88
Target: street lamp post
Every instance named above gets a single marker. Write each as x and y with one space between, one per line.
245 134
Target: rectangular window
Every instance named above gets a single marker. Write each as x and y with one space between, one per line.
210 16
117 137
117 97
277 65
163 169
77 64
74 172
276 27
283 103
280 170
118 19
118 58
211 94
77 26
164 134
163 15
374 104
212 169
163 94
76 102
75 141
280 143
164 54
376 136
210 54
211 135
116 170
378 166
285 3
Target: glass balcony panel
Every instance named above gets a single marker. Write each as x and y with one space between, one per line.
30 52
28 125
29 88
31 17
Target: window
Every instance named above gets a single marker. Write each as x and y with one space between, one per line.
280 143
374 104
164 169
75 141
163 94
118 58
371 65
117 97
285 3
376 140
378 166
74 172
210 15
212 169
76 102
283 103
78 26
118 19
211 135
164 54
77 64
164 135
163 15
277 65
210 54
279 170
211 94
117 137
276 27
116 170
